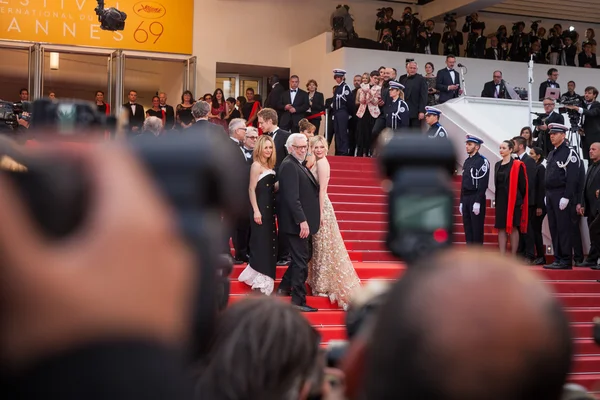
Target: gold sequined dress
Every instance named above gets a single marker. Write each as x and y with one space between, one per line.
330 271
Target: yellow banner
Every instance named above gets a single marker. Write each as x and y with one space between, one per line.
160 26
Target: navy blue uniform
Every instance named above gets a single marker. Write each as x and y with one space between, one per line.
396 114
475 180
562 180
343 108
437 131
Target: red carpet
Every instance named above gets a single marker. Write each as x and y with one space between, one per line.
361 205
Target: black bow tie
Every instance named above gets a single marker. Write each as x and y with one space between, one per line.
248 151
450 70
293 90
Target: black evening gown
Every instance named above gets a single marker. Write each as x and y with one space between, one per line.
502 180
260 273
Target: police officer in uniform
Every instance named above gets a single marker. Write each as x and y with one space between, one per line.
562 179
396 109
343 109
436 130
475 179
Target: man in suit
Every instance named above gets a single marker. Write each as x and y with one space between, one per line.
495 52
495 88
200 112
267 121
527 239
590 119
240 231
587 59
299 218
168 110
293 104
136 113
415 93
433 38
590 206
549 83
541 132
274 98
448 81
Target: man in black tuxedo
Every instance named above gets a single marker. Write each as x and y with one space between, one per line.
200 112
448 81
240 229
267 121
136 113
294 104
495 52
299 218
527 239
415 93
590 119
591 206
168 110
549 83
274 98
541 132
495 88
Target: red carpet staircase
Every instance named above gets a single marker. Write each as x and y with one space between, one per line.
360 206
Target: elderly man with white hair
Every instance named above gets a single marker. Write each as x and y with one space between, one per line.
152 126
299 218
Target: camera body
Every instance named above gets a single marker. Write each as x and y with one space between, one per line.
421 198
449 17
381 12
9 112
110 19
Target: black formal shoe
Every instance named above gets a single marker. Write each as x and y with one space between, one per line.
283 293
558 265
305 308
282 263
596 267
539 261
586 263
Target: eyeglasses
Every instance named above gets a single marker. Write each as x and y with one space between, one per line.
548 104
497 76
252 137
300 147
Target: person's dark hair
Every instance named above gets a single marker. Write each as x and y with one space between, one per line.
374 73
395 71
573 82
132 91
215 102
520 140
449 56
206 95
551 71
403 363
23 90
191 96
592 89
250 90
294 76
99 91
430 20
242 101
262 349
274 79
538 151
530 140
510 143
230 100
432 66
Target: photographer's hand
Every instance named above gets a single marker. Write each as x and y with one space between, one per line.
126 273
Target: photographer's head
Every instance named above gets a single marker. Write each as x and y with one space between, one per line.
430 24
515 334
473 143
571 87
297 146
591 94
549 105
557 133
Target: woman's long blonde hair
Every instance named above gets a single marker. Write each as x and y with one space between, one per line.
316 139
258 150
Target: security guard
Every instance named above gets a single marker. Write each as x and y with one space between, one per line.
396 109
562 177
343 109
475 179
436 130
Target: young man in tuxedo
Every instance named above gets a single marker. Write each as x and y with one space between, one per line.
590 119
168 110
549 83
136 112
299 218
495 88
495 52
267 121
448 81
293 104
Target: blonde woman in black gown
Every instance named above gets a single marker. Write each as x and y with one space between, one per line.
260 272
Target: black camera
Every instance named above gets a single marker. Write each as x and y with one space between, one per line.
539 120
189 171
535 24
421 198
381 12
9 112
110 19
449 17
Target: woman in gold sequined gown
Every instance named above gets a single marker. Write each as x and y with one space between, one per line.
330 272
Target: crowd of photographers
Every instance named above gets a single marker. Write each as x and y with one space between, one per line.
557 46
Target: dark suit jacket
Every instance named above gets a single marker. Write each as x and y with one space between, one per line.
434 43
290 121
543 86
540 187
531 168
415 94
298 197
318 103
443 81
490 55
281 137
543 139
583 59
138 118
489 89
169 116
591 123
591 183
274 99
242 189
204 127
